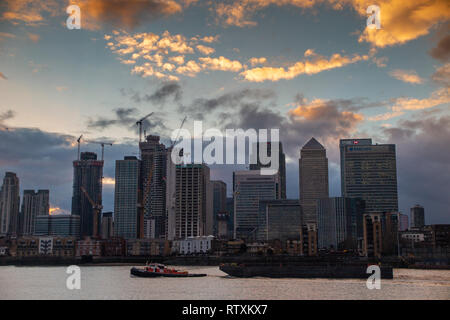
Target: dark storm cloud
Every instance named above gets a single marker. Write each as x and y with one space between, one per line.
423 159
442 50
43 160
326 121
127 117
231 100
8 114
164 92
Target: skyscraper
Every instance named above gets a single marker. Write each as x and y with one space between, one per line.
417 216
128 219
194 201
249 188
153 157
9 204
33 204
340 223
219 201
369 172
313 166
87 175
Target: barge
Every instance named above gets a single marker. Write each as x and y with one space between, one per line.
344 271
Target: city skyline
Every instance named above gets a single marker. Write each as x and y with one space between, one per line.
311 69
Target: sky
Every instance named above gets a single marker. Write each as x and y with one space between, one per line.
311 68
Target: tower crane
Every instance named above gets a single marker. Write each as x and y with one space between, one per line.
103 144
139 124
147 187
97 210
79 142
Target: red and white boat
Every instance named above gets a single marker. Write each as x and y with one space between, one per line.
160 270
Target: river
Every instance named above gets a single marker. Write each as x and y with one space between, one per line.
115 282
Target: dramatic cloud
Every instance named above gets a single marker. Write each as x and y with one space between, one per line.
30 12
442 75
409 76
401 105
442 50
423 141
2 76
205 50
232 100
126 118
96 13
165 91
43 160
401 21
315 65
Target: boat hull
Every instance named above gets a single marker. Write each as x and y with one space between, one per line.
325 271
148 274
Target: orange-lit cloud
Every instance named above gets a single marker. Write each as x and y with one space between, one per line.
401 105
30 12
315 65
96 13
401 21
257 61
409 76
33 37
221 63
318 108
205 50
2 76
124 13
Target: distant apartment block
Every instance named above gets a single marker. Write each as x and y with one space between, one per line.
128 218
87 175
194 201
34 204
9 205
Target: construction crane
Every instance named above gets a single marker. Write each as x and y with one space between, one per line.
139 124
147 187
79 141
178 135
97 210
103 144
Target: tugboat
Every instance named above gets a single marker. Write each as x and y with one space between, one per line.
159 270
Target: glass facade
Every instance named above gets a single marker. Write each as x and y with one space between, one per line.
369 172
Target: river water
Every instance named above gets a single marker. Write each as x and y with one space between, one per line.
115 282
